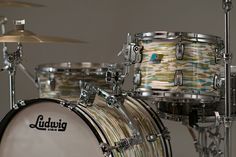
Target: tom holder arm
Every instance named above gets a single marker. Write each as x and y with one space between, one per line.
132 54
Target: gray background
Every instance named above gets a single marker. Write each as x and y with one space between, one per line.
104 24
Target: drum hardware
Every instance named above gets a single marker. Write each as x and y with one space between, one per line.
178 78
120 146
180 50
52 83
137 77
115 78
217 83
152 137
19 104
209 137
132 54
227 6
88 94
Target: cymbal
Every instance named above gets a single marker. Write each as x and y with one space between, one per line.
6 3
25 36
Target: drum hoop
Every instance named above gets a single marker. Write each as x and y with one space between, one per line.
68 67
185 36
182 97
10 115
185 119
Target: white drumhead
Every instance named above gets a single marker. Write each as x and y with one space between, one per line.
71 136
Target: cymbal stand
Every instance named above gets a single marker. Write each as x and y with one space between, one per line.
227 6
11 60
8 60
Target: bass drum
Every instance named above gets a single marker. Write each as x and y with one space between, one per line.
57 128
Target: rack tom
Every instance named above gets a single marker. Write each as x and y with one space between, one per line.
178 66
200 112
63 80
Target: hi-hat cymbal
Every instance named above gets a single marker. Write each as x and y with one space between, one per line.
6 3
25 36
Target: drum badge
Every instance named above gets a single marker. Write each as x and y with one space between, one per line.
156 58
48 125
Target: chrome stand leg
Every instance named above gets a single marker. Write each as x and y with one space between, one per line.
209 138
12 75
203 142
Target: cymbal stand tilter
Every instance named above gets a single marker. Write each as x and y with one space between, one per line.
227 6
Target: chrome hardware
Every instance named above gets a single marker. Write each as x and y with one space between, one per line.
64 103
120 146
152 137
51 82
19 104
87 97
179 51
218 54
228 122
217 82
178 79
165 133
13 59
131 51
218 118
124 144
107 149
87 94
227 5
137 78
115 78
132 54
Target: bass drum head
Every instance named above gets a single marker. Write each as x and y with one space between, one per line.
55 128
47 129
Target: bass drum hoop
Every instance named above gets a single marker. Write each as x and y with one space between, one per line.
95 128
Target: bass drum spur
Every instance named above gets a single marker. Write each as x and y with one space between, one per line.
56 128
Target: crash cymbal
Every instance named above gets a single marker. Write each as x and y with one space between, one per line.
20 35
25 36
5 3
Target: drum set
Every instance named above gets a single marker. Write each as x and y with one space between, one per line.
83 110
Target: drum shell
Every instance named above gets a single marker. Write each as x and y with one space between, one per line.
107 124
63 80
205 113
198 66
